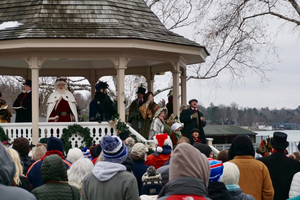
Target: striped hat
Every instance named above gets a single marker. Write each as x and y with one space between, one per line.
113 149
216 170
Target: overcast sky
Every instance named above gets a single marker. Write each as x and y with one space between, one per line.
282 91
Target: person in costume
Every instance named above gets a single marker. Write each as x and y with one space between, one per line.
5 113
22 104
147 111
102 108
193 118
134 114
61 104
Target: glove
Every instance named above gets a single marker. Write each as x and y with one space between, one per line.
194 116
148 102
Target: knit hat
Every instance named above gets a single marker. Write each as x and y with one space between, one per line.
86 153
74 154
113 149
231 174
21 145
216 170
161 140
55 144
38 151
203 148
175 126
151 182
95 150
124 134
138 151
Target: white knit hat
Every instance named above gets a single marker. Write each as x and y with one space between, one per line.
231 174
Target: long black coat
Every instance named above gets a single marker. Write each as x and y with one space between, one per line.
189 124
23 115
282 170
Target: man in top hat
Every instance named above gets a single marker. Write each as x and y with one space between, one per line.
193 118
22 104
102 108
61 104
134 115
281 168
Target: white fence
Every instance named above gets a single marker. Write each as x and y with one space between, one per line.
97 131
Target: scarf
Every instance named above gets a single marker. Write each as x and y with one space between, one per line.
232 187
53 152
178 134
196 139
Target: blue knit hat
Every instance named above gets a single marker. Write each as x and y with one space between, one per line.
113 149
55 144
216 170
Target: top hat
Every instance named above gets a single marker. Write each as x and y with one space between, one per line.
279 140
141 90
27 82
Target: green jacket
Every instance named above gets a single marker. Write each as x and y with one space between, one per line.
55 177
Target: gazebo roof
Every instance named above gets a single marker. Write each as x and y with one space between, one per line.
105 19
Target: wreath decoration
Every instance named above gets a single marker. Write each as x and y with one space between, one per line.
3 136
76 129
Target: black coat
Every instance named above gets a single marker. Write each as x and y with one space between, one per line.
23 115
282 170
189 124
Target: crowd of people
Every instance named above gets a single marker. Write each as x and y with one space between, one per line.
120 168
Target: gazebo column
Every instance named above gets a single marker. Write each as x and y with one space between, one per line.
183 86
120 66
150 79
175 73
35 64
93 80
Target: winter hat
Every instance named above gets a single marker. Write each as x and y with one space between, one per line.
86 153
113 149
55 144
158 111
21 145
175 126
216 170
151 182
38 151
241 146
74 154
124 135
28 82
231 174
138 151
161 140
95 150
279 140
100 85
203 148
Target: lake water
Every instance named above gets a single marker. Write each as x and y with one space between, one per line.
293 135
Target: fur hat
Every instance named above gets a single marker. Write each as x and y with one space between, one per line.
231 174
216 170
138 151
279 140
21 145
151 182
113 149
100 85
27 82
161 140
55 144
38 151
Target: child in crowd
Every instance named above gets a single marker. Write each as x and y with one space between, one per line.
176 133
195 133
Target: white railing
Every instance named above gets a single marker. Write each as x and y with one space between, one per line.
97 131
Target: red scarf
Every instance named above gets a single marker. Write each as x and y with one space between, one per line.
196 139
53 152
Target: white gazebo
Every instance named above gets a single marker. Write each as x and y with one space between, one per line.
91 39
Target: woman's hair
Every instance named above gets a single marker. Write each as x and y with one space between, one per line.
78 171
151 105
19 169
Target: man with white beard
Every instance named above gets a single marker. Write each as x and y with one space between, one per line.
61 105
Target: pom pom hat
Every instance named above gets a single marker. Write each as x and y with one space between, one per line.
113 149
161 140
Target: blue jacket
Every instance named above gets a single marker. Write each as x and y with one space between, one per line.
138 169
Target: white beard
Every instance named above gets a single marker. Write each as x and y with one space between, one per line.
63 91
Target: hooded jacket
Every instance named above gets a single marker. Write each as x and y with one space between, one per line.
109 181
7 172
55 178
188 174
254 175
